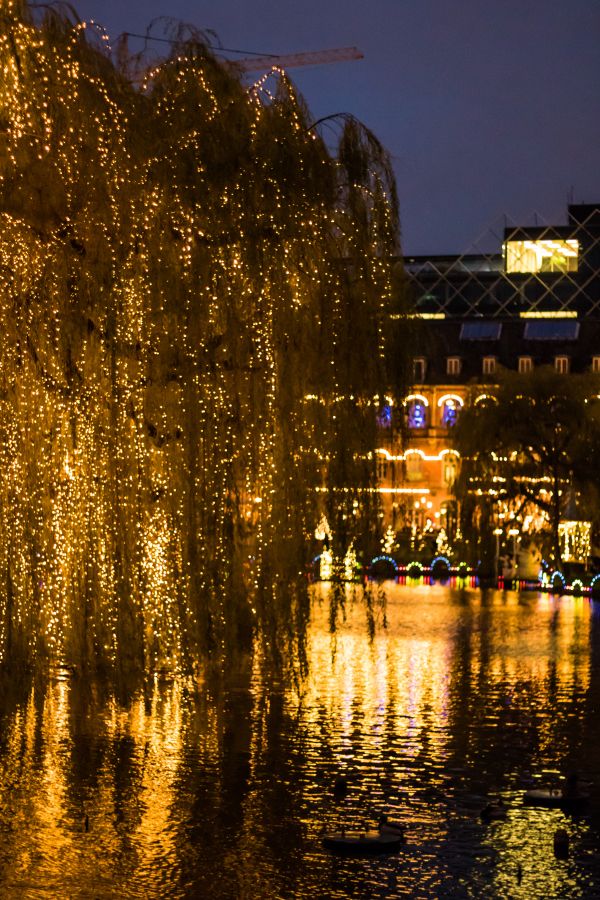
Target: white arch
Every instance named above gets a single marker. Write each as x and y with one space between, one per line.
447 397
436 457
419 397
482 397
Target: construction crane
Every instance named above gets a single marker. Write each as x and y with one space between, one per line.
254 63
293 60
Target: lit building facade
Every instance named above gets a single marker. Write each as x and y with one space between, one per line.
535 303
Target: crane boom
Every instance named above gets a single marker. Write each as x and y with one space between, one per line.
291 60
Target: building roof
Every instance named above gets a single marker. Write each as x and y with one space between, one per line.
439 339
481 330
551 330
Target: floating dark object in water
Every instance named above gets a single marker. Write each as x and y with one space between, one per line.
389 826
561 843
556 798
365 843
494 810
86 823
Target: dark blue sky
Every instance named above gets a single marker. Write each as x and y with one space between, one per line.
488 108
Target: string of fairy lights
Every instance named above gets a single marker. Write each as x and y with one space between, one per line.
181 264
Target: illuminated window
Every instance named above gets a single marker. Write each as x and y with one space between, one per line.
449 471
561 364
417 415
419 368
525 364
489 365
450 412
384 419
596 364
542 255
414 469
453 365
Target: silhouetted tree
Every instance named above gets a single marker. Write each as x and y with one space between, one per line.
533 441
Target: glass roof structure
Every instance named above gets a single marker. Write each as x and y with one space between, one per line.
551 330
480 331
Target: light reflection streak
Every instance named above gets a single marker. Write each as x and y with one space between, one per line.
461 693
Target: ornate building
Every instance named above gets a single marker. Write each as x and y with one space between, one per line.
535 303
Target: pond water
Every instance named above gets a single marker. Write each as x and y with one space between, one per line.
186 793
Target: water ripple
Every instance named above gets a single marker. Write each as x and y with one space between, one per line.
181 794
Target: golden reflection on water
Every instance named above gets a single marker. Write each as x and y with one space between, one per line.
194 792
408 672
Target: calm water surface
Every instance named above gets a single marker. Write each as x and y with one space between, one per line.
188 794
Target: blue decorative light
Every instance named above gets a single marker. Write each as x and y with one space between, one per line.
417 417
384 558
557 574
450 413
442 559
384 419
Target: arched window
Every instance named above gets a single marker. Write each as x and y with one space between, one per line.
384 419
450 412
417 414
450 406
449 469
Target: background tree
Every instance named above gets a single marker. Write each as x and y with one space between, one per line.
533 442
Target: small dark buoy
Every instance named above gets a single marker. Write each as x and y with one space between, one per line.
561 843
495 809
519 873
388 826
340 788
86 823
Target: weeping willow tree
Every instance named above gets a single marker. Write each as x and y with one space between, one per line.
192 287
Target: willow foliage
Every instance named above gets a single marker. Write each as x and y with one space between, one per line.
184 264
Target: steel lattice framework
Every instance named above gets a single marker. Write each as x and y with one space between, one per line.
477 283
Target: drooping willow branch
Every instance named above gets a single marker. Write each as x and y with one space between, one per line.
183 262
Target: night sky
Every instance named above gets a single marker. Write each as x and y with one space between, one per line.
488 108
